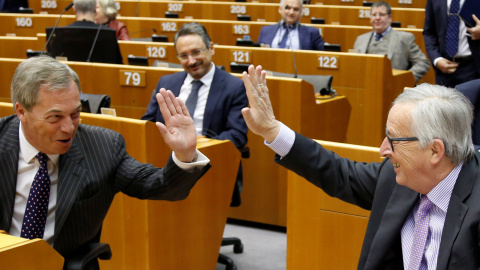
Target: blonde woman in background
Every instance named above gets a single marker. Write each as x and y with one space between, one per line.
106 14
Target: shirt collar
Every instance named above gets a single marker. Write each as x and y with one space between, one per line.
28 152
440 194
384 33
206 79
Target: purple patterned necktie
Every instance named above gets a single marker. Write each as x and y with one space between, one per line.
420 233
451 45
37 205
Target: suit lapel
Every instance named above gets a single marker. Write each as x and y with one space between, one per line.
216 89
392 43
9 148
177 84
396 212
70 178
456 211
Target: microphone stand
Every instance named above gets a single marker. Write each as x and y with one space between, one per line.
55 27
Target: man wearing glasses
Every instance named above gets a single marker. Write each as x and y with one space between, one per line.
424 197
214 98
398 46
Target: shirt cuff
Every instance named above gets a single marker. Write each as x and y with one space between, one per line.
436 61
201 161
283 142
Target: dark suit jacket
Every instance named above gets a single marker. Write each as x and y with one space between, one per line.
373 186
93 170
435 34
471 90
310 38
223 119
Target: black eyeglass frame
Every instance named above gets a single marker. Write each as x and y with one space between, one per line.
400 139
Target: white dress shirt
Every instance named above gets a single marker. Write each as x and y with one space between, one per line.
293 40
202 96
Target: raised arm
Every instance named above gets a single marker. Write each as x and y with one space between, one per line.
259 117
178 132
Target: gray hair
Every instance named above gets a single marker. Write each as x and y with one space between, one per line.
193 29
282 3
382 4
85 6
109 8
441 113
34 72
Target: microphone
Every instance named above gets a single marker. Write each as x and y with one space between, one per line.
53 30
138 8
94 42
293 54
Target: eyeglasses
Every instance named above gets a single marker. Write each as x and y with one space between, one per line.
400 139
195 54
378 14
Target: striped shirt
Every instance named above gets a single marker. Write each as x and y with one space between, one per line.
440 196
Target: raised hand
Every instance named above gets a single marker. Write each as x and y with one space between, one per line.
179 131
259 117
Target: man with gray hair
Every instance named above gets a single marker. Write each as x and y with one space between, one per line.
398 46
79 168
424 197
85 11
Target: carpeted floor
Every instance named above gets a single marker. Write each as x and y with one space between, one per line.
265 247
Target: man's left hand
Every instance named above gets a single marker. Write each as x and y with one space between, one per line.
179 131
475 31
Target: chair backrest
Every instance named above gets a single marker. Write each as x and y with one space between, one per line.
97 101
319 82
76 43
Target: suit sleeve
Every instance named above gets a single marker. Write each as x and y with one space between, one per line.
145 181
430 35
153 109
261 36
420 63
317 40
350 181
236 128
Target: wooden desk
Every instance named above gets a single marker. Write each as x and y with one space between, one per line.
393 3
56 6
324 232
228 31
268 12
145 234
14 254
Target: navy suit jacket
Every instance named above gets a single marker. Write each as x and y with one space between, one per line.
310 38
373 187
471 90
223 119
91 172
435 34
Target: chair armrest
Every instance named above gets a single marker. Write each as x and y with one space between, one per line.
92 252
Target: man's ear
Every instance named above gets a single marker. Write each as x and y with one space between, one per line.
20 111
437 151
212 49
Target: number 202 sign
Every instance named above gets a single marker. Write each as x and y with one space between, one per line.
132 78
328 61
